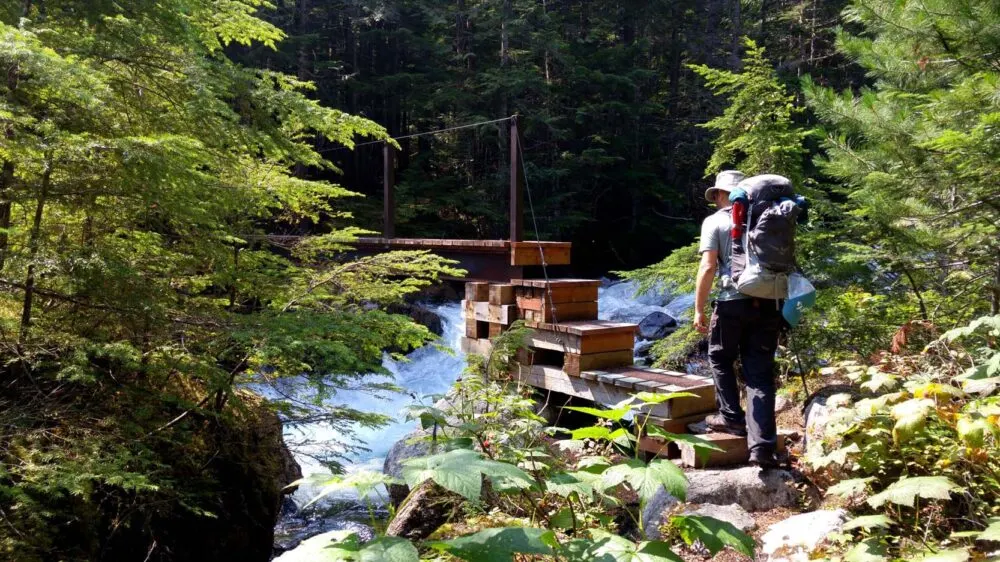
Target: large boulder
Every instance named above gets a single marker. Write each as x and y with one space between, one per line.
427 508
416 444
795 538
663 504
657 325
749 488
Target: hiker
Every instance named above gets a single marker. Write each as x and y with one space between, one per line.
741 327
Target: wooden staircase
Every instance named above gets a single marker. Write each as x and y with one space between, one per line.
571 352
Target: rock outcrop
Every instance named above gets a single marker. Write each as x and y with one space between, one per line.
415 444
818 411
428 507
795 538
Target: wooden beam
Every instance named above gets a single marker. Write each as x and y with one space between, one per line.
388 195
516 183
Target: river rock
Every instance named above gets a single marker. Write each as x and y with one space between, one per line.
427 508
795 538
416 444
290 534
657 325
421 315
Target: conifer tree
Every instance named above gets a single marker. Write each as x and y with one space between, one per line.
916 150
144 179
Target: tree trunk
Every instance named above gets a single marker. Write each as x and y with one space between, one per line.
737 23
995 304
36 230
301 22
504 32
6 200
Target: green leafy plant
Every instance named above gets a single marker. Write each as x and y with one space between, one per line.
919 447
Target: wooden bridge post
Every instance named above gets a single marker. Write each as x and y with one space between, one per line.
389 196
516 184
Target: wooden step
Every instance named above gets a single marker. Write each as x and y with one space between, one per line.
583 328
575 363
736 451
501 293
645 379
474 346
612 387
555 283
504 314
532 253
568 311
595 336
477 291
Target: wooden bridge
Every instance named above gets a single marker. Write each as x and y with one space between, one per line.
569 352
494 260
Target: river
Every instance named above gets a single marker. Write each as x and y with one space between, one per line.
431 370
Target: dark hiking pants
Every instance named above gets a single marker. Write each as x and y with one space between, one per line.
746 329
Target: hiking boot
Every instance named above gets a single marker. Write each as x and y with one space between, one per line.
719 424
763 459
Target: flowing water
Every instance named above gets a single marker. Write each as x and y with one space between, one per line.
431 370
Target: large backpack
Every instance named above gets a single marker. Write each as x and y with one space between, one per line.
764 246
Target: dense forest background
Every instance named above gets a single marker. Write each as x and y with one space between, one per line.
151 151
611 112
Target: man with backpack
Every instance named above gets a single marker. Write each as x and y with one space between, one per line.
742 327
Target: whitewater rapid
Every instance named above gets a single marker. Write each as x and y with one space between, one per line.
432 370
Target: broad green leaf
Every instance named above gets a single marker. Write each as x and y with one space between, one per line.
592 432
714 534
364 482
906 490
461 471
616 414
621 436
607 547
389 549
702 447
498 545
566 483
646 480
650 398
593 463
881 382
911 417
953 555
973 430
870 550
562 519
869 522
851 487
429 416
837 457
991 533
343 546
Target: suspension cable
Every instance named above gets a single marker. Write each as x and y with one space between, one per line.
437 131
538 235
